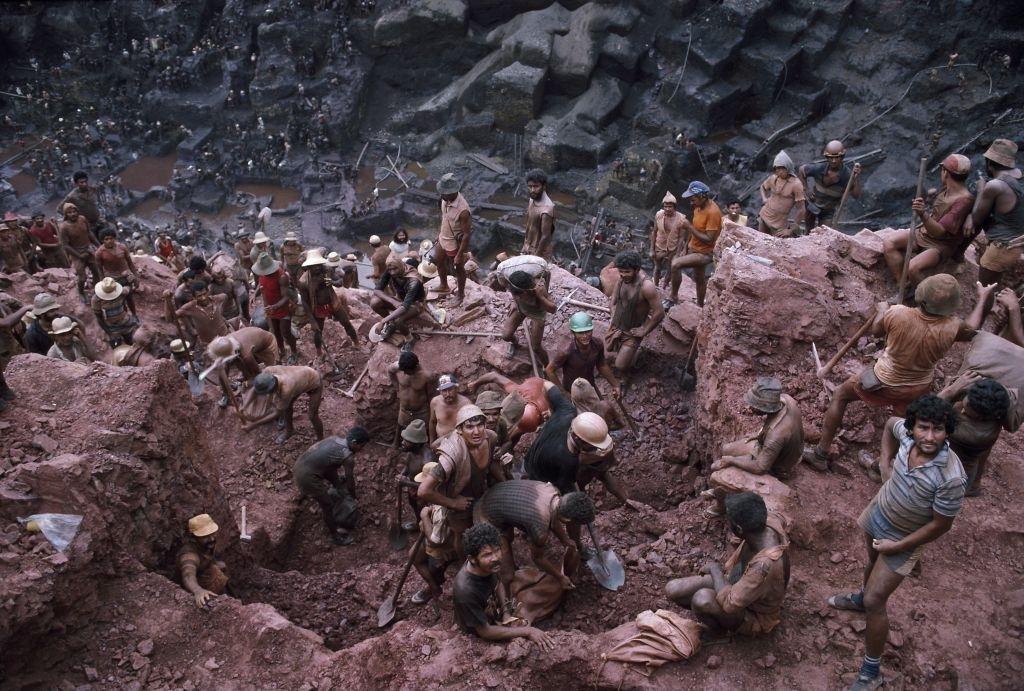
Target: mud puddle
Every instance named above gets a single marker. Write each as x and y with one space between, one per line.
280 197
149 172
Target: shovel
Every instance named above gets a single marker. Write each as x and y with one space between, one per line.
396 538
195 383
386 613
605 565
689 382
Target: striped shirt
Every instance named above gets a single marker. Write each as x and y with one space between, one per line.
908 497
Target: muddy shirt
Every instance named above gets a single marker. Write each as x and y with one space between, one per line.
11 252
1004 228
762 587
668 231
321 462
85 202
782 197
575 363
783 441
533 243
470 596
208 574
292 382
549 458
242 249
528 505
113 262
950 213
826 197
914 344
449 236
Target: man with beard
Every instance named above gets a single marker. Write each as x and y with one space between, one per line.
540 217
205 313
636 311
453 237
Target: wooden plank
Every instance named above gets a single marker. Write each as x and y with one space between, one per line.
488 163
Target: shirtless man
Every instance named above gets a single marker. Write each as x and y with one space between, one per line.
286 383
205 313
235 307
830 180
532 394
698 239
414 386
79 243
378 256
636 311
247 348
243 250
530 300
322 301
453 237
12 245
666 232
291 255
999 209
444 407
114 260
780 193
540 217
940 235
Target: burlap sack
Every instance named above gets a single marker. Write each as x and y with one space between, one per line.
539 593
656 638
993 356
776 494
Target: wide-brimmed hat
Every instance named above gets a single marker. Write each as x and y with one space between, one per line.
223 347
265 265
375 240
425 473
351 257
333 260
448 184
10 216
290 236
43 303
179 346
202 525
1003 152
426 246
765 395
427 269
939 295
415 432
466 413
314 258
447 381
260 238
489 400
108 289
61 325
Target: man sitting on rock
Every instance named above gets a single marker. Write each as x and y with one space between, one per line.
411 303
746 594
636 311
775 449
475 586
444 407
202 573
316 475
916 338
285 383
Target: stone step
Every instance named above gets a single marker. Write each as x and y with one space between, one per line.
786 26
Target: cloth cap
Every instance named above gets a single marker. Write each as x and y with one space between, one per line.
669 198
592 429
415 432
43 303
425 473
696 187
108 289
179 346
467 412
488 400
448 184
61 325
957 164
513 407
264 383
782 160
1003 152
202 525
939 295
314 258
265 265
581 322
446 381
290 236
375 240
765 395
260 237
583 395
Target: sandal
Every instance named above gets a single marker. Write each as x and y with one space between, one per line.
846 602
867 683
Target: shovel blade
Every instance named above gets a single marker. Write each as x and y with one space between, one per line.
396 538
386 613
195 384
688 382
608 572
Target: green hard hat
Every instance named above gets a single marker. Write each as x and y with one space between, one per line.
581 321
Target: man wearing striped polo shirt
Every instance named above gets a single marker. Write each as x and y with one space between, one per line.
922 494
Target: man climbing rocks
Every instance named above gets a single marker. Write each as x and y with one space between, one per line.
285 384
475 585
453 237
916 338
776 448
11 312
539 239
114 260
636 311
746 594
700 238
830 180
583 357
781 192
666 233
44 235
202 574
444 407
316 475
999 210
922 493
323 302
414 386
114 313
530 395
275 286
79 242
248 349
940 236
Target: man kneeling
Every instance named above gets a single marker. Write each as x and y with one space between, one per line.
750 601
475 586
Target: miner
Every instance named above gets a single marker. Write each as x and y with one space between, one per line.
399 244
916 338
202 574
699 239
922 493
540 217
248 348
292 253
114 313
780 193
414 454
83 196
12 245
830 181
525 277
323 302
401 276
261 244
666 232
475 584
79 242
243 251
316 475
636 311
275 287
444 407
68 342
236 304
583 357
168 251
999 210
11 312
776 448
378 256
940 236
205 314
414 386
735 213
285 384
585 399
45 236
528 399
453 237
746 594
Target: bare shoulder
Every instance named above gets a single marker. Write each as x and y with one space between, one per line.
649 290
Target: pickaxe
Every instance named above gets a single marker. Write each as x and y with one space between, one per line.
590 305
567 299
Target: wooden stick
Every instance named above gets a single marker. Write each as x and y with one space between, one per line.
823 372
533 355
430 332
912 238
394 167
360 159
359 379
842 202
589 305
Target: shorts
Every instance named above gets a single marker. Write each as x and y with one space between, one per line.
80 265
323 311
407 416
1000 258
661 255
617 340
899 397
875 524
945 249
283 313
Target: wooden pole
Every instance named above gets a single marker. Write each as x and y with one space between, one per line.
912 238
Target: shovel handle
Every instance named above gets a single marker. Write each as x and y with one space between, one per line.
597 545
846 346
408 565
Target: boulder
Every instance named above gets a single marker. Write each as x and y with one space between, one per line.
528 38
419 22
514 94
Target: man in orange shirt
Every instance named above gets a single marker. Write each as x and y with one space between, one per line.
699 239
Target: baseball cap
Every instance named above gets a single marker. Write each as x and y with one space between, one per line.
446 381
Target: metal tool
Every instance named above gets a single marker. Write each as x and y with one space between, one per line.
386 612
605 565
567 299
359 379
629 418
824 371
689 382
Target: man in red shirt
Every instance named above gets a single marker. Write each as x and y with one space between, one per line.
44 235
275 286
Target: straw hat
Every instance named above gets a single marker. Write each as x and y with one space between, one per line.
43 303
260 238
314 258
179 346
223 347
202 525
108 289
265 265
290 236
426 246
415 432
334 260
61 325
425 473
427 269
765 395
448 184
375 240
351 257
